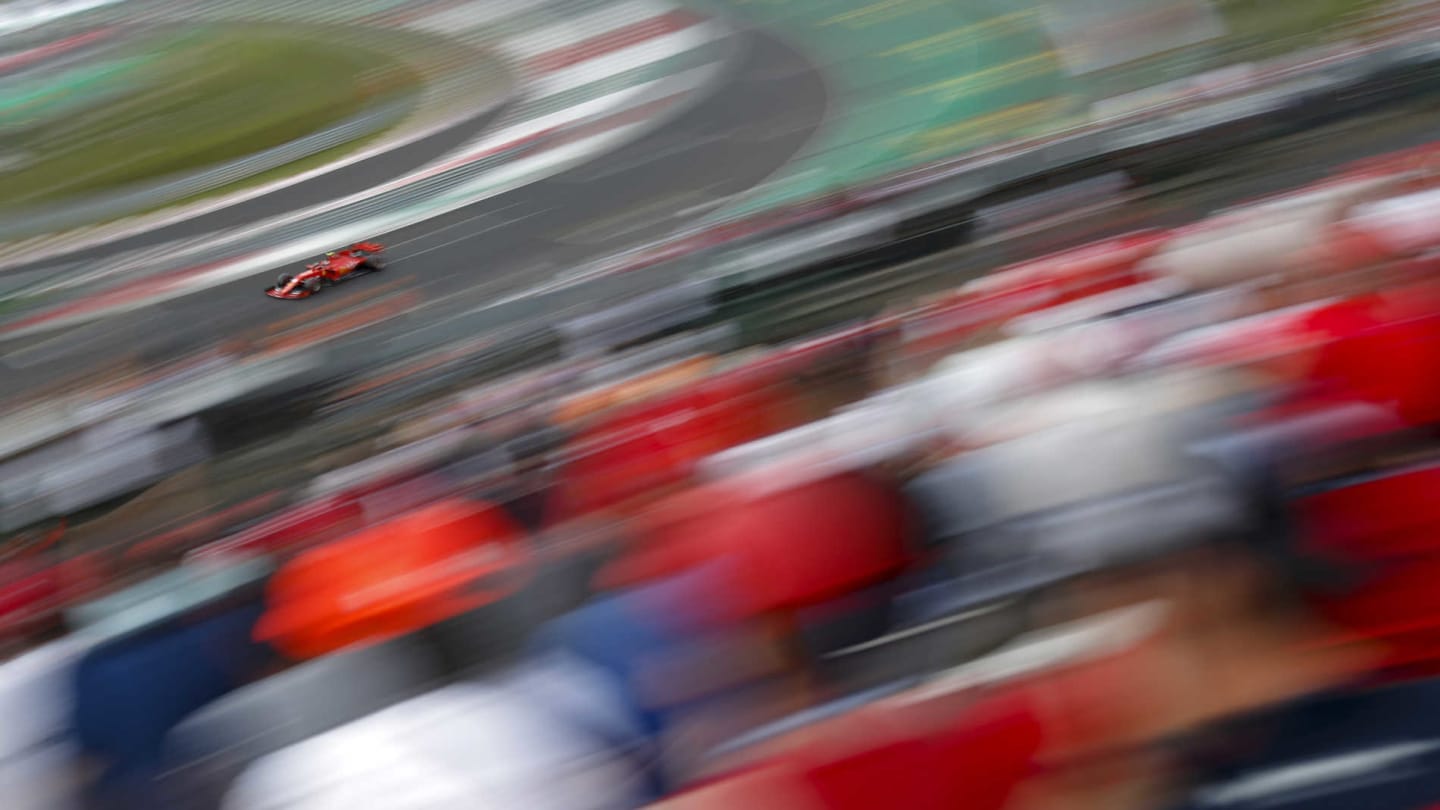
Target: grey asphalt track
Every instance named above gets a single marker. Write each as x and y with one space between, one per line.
765 110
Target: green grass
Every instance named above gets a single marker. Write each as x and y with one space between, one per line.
14 305
215 95
295 167
1266 28
1257 30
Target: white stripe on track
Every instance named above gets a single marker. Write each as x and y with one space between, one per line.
619 61
611 104
582 28
466 221
504 223
469 16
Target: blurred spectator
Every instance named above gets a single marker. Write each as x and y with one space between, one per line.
131 692
405 574
504 742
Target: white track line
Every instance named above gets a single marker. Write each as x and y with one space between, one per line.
464 221
615 102
629 58
469 17
587 26
473 234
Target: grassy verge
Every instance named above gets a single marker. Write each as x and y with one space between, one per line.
13 305
290 169
1267 28
213 96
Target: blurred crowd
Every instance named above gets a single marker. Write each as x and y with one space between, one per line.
1145 524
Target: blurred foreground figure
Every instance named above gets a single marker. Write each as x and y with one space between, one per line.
1083 718
496 744
1146 549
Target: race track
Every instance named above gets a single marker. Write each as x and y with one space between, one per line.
764 111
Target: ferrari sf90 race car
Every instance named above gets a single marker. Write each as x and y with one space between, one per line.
338 265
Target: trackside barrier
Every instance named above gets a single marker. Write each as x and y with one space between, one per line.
642 317
94 466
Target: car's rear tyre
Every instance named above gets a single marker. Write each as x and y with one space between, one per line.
374 264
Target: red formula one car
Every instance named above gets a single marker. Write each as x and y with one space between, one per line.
358 259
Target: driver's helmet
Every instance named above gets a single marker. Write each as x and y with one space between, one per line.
330 255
